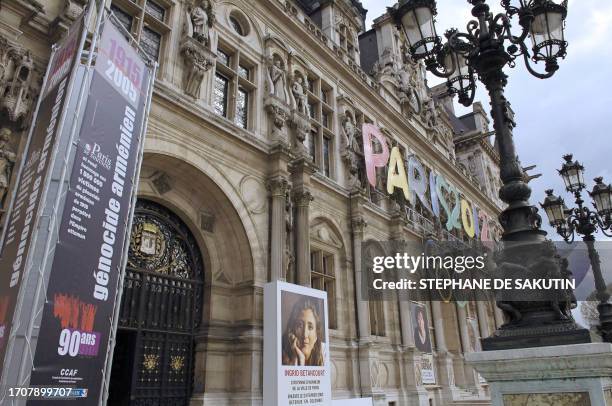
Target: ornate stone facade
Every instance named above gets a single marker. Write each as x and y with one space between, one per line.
255 128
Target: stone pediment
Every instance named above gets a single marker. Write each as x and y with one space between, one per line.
322 232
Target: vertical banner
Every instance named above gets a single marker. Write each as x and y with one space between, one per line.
296 346
422 341
76 323
33 178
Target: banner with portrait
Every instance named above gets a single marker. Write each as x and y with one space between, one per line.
296 346
422 341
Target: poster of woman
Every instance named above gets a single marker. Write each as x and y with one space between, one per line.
296 352
303 339
422 341
421 328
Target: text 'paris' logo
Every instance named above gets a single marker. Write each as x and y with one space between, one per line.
94 152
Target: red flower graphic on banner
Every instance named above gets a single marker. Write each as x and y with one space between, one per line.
73 313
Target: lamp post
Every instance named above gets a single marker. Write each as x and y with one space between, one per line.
586 222
482 52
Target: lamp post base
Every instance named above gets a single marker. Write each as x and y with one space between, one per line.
605 321
510 337
576 375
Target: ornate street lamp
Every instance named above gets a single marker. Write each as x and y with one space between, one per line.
572 174
555 209
482 52
602 196
586 222
417 18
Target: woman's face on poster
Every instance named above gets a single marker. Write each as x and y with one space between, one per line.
421 320
306 331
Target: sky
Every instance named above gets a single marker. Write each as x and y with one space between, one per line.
568 113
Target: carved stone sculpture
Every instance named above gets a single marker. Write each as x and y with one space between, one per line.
17 91
350 134
289 258
279 114
7 160
350 148
73 8
200 19
198 59
430 114
277 79
302 127
407 85
299 95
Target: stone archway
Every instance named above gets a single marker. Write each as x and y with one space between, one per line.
209 206
159 312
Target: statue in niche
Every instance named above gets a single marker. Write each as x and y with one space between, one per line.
472 164
277 77
200 20
350 133
430 113
7 160
301 100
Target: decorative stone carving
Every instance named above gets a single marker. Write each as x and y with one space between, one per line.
472 165
7 161
17 85
430 115
300 100
162 182
199 21
374 373
548 399
4 59
301 125
279 114
302 198
73 9
408 96
198 59
350 148
207 221
350 133
68 13
288 258
277 79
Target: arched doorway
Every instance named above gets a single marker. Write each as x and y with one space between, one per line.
161 307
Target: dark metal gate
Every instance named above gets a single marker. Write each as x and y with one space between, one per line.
161 307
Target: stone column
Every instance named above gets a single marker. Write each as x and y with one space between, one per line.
444 362
438 320
498 314
363 314
302 199
277 186
468 372
463 328
483 318
301 170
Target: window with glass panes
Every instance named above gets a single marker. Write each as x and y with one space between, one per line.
346 41
233 87
321 137
146 21
377 317
323 277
